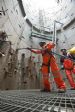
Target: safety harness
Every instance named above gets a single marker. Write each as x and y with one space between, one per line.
48 65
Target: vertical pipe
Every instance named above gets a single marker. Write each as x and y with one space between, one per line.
54 50
54 35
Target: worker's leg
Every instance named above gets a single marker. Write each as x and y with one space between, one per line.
57 76
45 77
74 69
70 78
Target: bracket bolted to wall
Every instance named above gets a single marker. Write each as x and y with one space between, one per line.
3 11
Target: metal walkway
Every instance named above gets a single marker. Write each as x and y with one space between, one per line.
36 101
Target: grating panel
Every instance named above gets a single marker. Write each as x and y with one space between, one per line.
36 101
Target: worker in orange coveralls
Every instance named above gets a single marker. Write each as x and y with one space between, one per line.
69 67
49 61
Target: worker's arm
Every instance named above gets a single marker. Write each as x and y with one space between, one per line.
35 51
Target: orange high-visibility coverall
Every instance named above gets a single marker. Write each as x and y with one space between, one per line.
49 60
69 69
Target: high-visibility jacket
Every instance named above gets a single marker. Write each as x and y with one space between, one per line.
45 52
68 64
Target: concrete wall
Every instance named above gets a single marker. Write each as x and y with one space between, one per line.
13 22
66 40
67 37
18 31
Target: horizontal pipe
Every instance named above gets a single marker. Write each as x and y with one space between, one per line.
36 36
41 34
59 22
42 26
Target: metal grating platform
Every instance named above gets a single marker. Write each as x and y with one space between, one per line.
36 101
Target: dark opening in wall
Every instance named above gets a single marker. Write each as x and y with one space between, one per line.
20 26
0 14
63 41
72 14
73 27
72 44
17 11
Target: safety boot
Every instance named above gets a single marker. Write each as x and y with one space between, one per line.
61 90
